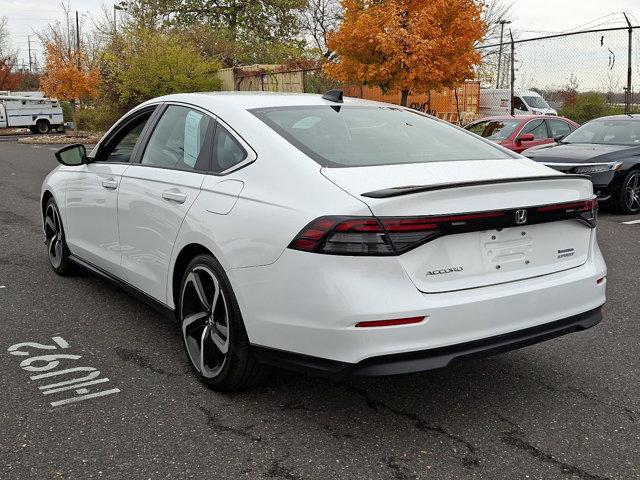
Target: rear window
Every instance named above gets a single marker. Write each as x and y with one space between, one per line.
496 130
358 136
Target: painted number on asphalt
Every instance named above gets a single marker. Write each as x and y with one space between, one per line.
64 381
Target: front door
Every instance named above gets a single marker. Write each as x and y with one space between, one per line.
537 127
92 194
156 194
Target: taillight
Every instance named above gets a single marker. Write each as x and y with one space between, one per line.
586 210
395 235
344 236
384 235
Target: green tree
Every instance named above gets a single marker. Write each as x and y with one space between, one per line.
220 43
142 64
236 31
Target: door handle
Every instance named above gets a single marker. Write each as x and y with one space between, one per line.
110 183
174 196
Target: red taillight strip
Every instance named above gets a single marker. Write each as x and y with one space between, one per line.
390 323
344 235
584 205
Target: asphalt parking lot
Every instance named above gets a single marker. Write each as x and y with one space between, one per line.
567 408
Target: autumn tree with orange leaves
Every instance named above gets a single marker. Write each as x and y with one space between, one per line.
66 77
407 46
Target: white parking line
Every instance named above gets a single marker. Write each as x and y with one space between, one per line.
631 222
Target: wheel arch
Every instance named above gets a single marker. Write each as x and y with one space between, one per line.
186 254
46 196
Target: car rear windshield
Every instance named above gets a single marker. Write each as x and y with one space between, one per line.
496 130
607 132
358 136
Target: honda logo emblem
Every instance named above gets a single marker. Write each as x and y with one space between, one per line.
521 217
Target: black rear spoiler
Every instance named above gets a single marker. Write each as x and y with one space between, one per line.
409 189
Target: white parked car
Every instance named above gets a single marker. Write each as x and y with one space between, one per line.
319 233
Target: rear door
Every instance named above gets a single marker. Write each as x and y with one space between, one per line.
559 127
156 194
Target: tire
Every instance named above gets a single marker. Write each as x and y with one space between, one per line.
213 332
42 127
628 197
32 129
57 249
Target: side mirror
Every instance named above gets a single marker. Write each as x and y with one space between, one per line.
72 155
526 137
557 138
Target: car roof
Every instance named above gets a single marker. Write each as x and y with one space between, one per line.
248 100
635 117
522 118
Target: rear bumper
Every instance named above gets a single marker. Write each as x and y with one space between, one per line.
431 358
309 304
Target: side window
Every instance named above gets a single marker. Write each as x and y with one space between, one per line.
518 104
180 140
120 147
228 151
537 127
559 127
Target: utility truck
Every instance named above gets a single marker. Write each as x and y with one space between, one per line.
495 101
30 110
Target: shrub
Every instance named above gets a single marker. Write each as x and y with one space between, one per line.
587 106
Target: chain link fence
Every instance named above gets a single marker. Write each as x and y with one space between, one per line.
580 75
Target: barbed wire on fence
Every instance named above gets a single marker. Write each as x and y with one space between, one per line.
599 68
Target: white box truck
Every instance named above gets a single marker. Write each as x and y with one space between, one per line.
495 101
37 113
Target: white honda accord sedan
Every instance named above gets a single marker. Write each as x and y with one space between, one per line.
319 233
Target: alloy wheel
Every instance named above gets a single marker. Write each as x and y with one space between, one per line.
632 192
205 321
54 235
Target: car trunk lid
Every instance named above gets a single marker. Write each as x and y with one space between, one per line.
478 250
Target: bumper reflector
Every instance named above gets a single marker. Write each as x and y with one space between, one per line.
390 323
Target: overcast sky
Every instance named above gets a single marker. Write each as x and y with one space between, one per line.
533 18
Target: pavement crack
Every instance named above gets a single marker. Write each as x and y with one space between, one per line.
515 438
631 414
278 470
400 472
135 357
469 461
213 422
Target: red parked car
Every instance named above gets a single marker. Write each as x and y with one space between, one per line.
520 132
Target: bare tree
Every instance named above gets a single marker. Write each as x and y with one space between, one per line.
319 18
6 52
495 11
8 56
62 33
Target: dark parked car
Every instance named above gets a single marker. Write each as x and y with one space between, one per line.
608 150
520 132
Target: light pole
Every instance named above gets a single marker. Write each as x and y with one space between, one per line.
116 7
502 24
